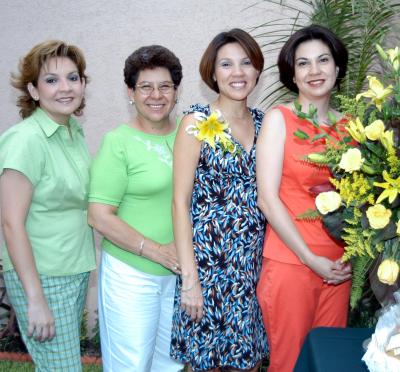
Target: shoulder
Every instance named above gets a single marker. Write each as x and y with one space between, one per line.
275 115
27 132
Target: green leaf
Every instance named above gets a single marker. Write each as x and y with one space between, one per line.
318 137
301 134
332 118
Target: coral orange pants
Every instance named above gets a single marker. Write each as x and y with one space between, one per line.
294 300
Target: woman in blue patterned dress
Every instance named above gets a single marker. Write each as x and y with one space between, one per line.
218 227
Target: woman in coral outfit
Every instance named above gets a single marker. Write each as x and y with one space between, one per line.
303 283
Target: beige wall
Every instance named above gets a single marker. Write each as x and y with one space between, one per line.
108 31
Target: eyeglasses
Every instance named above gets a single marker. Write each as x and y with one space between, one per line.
146 88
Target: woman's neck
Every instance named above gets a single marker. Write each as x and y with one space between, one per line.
235 109
162 127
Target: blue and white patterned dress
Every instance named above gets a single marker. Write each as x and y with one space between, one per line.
228 232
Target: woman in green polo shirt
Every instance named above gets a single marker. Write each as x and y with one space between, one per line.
130 204
44 181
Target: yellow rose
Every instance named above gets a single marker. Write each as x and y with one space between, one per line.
375 130
378 216
388 271
351 160
328 202
398 227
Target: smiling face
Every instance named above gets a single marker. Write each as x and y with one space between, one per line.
235 74
156 106
59 89
315 71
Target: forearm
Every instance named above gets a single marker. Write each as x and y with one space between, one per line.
21 255
184 242
124 236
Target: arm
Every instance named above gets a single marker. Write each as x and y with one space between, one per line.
270 153
186 157
15 199
104 219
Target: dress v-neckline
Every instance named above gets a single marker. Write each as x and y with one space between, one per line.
235 140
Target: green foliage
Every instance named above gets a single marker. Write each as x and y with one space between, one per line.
361 24
361 265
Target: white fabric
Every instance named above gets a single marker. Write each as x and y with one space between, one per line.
135 318
388 325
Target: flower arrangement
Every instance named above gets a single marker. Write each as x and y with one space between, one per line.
363 206
212 129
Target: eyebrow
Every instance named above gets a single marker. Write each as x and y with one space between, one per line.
321 55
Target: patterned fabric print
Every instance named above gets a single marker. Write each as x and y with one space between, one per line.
228 232
66 297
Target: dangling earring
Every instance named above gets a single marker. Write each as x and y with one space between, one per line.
337 71
176 100
294 80
131 102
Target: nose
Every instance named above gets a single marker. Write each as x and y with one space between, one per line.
314 68
237 69
64 84
156 93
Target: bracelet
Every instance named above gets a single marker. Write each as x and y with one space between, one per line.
190 288
141 247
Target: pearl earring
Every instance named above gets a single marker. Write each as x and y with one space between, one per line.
131 102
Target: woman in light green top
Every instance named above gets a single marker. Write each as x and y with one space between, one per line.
44 179
130 204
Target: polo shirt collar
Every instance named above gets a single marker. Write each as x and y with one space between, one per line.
49 126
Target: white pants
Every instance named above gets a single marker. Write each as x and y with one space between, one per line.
135 318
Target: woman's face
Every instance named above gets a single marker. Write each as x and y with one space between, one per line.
235 74
59 89
315 70
154 94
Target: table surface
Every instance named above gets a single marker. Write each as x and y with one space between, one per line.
333 350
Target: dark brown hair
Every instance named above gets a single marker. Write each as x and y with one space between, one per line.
236 35
150 57
29 70
286 58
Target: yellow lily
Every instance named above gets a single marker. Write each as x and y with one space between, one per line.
387 140
356 130
394 57
211 129
391 186
376 92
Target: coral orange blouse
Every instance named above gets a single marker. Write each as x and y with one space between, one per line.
298 177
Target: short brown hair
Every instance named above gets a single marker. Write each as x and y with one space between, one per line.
287 54
29 70
150 57
236 35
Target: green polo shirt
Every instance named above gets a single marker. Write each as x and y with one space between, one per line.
57 165
133 172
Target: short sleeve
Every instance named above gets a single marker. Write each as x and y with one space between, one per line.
22 150
108 173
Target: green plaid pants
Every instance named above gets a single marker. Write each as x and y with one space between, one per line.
66 297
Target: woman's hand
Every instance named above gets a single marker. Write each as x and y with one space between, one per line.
332 272
192 299
168 257
40 320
